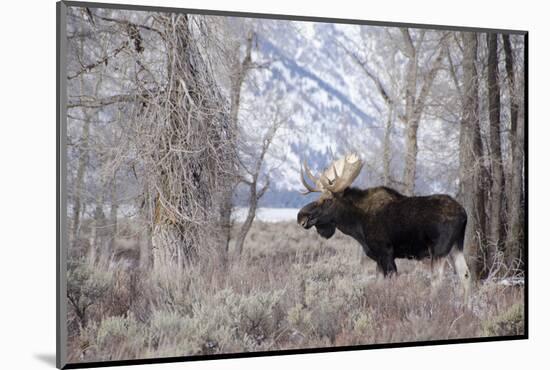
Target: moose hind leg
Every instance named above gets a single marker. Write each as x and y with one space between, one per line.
462 270
438 271
379 272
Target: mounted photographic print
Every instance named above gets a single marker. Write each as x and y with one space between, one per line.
234 184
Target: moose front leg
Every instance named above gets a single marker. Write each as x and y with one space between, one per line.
386 263
383 255
380 272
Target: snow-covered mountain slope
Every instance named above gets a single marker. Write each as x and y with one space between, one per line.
330 106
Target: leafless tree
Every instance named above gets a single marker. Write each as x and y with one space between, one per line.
471 154
389 100
514 237
415 103
252 173
414 90
497 177
239 71
186 157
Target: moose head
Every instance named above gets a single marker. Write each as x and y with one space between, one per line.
334 205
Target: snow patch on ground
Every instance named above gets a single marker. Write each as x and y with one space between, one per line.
266 214
511 281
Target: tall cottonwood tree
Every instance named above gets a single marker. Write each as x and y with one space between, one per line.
86 80
389 100
83 147
252 175
238 72
415 103
189 155
514 238
79 180
471 153
497 177
407 99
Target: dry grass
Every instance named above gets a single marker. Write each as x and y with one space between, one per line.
291 289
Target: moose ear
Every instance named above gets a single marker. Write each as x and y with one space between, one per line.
326 230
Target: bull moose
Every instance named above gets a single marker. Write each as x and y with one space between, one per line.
387 224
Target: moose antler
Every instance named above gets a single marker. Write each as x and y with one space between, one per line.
337 177
318 186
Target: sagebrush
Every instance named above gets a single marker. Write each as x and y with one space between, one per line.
290 289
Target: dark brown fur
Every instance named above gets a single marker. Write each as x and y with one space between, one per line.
389 225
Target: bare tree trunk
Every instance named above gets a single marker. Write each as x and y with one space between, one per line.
189 160
79 181
175 242
247 224
84 152
255 193
387 147
411 152
495 219
514 237
238 76
255 196
471 166
226 210
411 146
113 219
415 105
145 239
83 156
518 225
97 243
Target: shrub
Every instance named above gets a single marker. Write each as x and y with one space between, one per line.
117 336
362 323
296 292
299 317
225 321
510 322
85 287
257 313
165 325
325 305
324 318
